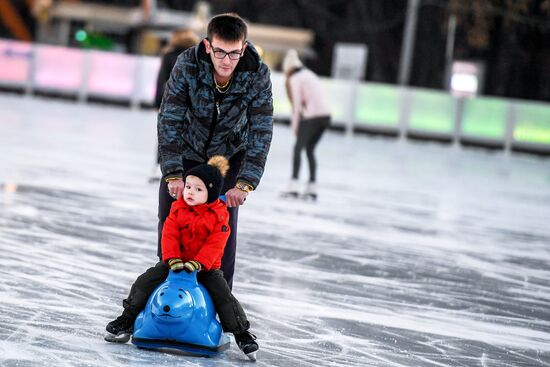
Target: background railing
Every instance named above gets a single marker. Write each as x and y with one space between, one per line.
378 108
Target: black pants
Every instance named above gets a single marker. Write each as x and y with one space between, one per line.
309 134
165 202
232 316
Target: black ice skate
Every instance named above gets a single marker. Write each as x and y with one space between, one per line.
120 330
246 343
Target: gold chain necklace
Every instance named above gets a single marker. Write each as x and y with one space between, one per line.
225 87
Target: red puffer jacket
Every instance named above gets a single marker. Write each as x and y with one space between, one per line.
197 233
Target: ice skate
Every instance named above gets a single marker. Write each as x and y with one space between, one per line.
246 342
310 192
291 190
119 330
155 174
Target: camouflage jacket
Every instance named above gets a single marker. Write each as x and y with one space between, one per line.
186 126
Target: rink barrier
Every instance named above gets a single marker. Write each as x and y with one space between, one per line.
403 112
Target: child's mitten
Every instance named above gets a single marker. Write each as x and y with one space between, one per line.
192 266
176 265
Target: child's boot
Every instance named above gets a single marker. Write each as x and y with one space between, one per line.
310 192
292 189
120 330
247 343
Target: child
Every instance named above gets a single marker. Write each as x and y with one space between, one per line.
193 239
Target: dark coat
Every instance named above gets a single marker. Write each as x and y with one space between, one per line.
186 125
166 66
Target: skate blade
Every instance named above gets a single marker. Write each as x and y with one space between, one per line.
252 355
309 197
291 195
121 338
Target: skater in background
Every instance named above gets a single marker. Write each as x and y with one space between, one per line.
218 101
310 118
180 41
193 239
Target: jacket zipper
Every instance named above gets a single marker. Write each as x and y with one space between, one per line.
212 127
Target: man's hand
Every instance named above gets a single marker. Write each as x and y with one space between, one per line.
175 188
235 197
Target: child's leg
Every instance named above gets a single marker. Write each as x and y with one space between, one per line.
120 329
232 316
142 288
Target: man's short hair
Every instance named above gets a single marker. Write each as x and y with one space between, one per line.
229 27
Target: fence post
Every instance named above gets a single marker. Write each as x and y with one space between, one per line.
459 114
510 127
405 107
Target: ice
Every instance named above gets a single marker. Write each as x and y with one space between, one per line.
416 254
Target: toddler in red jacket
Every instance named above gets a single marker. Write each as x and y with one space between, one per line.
193 239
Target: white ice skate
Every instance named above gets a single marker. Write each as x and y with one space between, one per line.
291 190
310 192
156 174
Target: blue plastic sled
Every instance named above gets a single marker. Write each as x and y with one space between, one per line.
180 315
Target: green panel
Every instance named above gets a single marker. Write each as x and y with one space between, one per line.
377 105
338 111
432 111
532 123
484 118
282 105
339 98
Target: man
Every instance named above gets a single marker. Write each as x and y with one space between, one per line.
217 102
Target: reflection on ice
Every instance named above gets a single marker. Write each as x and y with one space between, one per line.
415 254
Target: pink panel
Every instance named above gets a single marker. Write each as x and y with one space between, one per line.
58 68
111 74
148 76
14 61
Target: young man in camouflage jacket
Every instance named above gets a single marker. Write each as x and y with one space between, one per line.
217 101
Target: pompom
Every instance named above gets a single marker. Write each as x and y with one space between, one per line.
220 162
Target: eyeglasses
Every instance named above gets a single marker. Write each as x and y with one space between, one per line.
220 54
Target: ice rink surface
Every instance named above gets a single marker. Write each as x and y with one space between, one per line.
416 254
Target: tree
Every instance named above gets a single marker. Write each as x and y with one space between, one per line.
513 38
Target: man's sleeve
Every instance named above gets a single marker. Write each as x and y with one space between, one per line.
170 123
260 125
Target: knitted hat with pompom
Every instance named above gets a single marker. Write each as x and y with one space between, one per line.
212 174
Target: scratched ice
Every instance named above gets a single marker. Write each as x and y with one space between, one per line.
416 254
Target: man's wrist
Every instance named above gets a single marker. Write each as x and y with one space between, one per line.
244 186
173 178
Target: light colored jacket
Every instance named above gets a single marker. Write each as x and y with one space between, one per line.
307 96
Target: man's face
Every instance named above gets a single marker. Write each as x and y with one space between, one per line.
222 54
